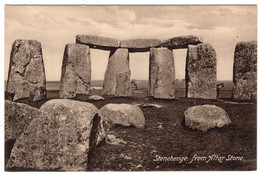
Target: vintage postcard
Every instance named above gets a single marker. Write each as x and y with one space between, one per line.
130 87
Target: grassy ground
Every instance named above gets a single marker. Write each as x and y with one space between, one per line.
165 135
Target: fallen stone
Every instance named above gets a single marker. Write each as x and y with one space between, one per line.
245 71
17 117
140 45
121 114
118 62
60 138
205 117
95 98
181 42
161 74
123 84
98 42
26 78
201 72
160 126
151 105
112 139
76 71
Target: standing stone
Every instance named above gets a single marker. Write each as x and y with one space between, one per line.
123 84
76 71
61 138
161 73
201 72
245 71
117 63
26 78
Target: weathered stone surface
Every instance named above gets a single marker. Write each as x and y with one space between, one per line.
98 42
123 84
201 72
205 117
181 42
161 73
95 98
118 62
60 138
121 114
26 78
76 71
245 71
17 117
140 45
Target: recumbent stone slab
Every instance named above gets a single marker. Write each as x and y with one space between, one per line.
245 71
118 62
76 71
121 114
26 77
201 72
95 98
17 117
161 74
181 42
140 45
61 138
98 42
205 117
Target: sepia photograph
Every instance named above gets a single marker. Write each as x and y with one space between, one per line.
130 88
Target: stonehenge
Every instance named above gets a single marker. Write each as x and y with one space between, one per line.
245 71
26 78
76 71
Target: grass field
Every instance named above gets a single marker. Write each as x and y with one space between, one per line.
165 135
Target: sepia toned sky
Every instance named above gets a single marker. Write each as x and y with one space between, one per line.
55 26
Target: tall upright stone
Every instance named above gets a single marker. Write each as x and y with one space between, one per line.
201 72
26 77
123 84
245 71
118 62
76 71
161 73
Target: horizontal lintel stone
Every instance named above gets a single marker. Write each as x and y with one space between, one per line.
182 42
98 42
140 45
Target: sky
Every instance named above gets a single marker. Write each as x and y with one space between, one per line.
55 26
